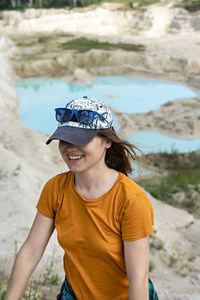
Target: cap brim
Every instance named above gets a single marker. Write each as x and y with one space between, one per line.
73 135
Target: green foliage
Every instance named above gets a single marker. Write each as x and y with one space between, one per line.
193 5
172 261
84 44
23 4
132 4
49 277
151 266
54 279
56 4
178 180
41 39
36 289
60 43
4 4
3 279
146 2
15 248
156 243
174 150
2 294
32 291
177 177
16 171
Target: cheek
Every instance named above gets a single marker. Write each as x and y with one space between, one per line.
60 146
62 151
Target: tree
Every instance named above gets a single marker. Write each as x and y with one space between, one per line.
13 3
72 3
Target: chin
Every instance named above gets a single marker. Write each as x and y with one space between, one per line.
75 170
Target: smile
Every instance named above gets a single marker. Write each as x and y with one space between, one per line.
73 157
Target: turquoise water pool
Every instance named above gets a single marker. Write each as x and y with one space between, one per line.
150 141
38 98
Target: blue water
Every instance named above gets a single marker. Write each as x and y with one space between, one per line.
149 141
39 97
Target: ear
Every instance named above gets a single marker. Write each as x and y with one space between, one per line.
108 144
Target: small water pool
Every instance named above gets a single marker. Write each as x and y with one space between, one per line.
38 98
150 141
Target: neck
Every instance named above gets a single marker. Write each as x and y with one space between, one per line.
92 178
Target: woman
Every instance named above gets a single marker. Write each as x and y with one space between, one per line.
103 219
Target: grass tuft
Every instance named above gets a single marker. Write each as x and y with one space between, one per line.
156 243
45 287
83 44
192 6
182 182
152 265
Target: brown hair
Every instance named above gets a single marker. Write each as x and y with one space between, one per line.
121 152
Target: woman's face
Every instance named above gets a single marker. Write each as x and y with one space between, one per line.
83 158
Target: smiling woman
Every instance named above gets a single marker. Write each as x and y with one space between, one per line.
83 158
109 245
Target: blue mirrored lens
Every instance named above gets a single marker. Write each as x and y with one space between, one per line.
59 113
63 115
67 116
85 117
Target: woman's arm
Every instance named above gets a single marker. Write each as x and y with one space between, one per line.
137 264
29 255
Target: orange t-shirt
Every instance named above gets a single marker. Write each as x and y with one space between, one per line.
92 232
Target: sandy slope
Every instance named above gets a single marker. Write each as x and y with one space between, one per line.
26 163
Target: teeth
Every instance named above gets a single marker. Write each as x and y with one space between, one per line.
75 156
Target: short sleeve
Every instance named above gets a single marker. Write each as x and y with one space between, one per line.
48 201
137 217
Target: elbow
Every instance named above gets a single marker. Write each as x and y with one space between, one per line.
29 254
139 277
138 287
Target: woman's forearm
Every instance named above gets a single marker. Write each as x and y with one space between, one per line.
29 255
139 290
24 265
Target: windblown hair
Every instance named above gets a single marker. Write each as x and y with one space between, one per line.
121 152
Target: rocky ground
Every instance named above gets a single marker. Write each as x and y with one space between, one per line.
179 118
164 30
176 179
170 39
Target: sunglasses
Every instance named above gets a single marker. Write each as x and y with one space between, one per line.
85 117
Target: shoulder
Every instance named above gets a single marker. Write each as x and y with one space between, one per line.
51 194
58 182
136 215
133 194
58 179
129 186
